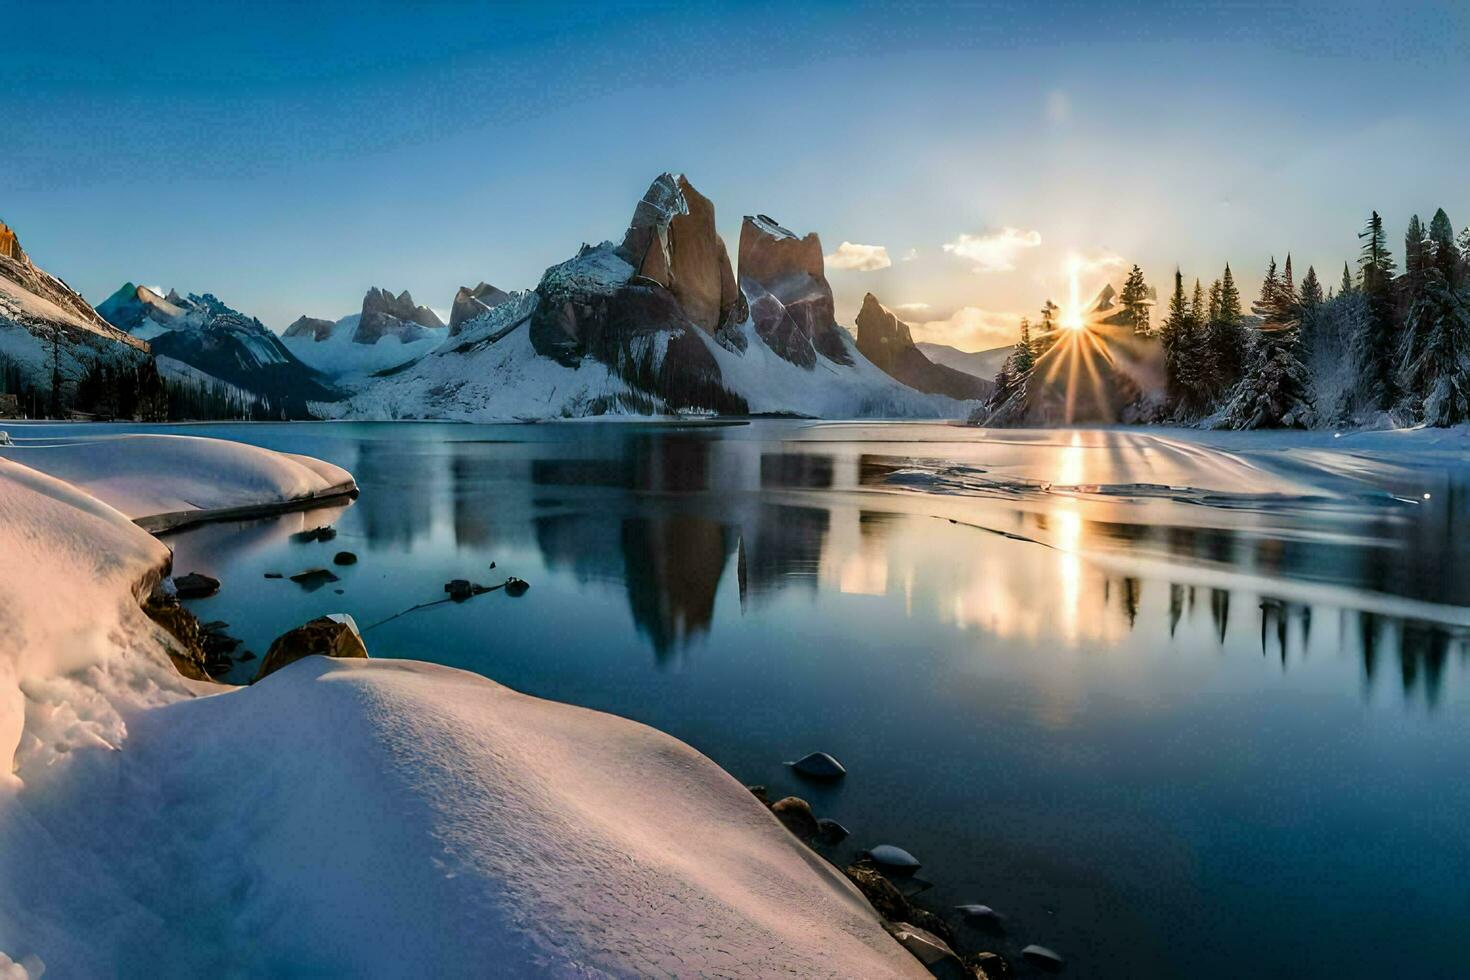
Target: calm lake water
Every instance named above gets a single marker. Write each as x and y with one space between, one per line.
1165 733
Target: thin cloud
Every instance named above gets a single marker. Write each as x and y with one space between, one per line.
859 258
913 309
995 251
970 328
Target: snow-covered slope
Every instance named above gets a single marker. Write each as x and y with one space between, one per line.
36 307
221 342
366 818
336 354
154 475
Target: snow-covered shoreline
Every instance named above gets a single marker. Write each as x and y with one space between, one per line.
380 817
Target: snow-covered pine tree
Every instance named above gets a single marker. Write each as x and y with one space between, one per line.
1347 281
1310 302
1445 253
1379 348
1173 335
1135 302
1023 357
1416 246
1226 339
1439 372
1194 357
1275 390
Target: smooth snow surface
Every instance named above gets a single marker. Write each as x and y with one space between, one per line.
342 359
149 475
364 818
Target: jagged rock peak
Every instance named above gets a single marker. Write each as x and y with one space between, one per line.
317 328
784 279
881 336
672 241
10 244
472 302
384 314
887 341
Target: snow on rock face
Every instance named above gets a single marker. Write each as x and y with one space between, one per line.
784 279
885 340
386 315
472 302
310 326
145 476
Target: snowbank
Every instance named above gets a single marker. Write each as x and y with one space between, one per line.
365 818
166 481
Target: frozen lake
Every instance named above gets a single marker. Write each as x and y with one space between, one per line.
1174 704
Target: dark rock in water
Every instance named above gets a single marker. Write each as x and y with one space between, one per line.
796 814
247 656
819 765
988 966
340 591
930 922
274 575
1045 958
887 900
978 913
312 579
894 858
344 558
328 636
459 589
516 587
324 533
214 626
492 564
759 792
195 586
930 950
831 831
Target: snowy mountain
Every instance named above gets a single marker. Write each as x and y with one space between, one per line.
984 364
222 343
471 302
656 324
886 341
37 308
388 333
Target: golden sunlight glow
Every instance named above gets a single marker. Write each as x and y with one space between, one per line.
1071 318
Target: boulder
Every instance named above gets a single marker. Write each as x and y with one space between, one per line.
195 586
312 579
894 859
831 831
344 558
470 302
785 281
881 893
1041 956
310 326
887 341
796 814
819 765
931 951
988 966
328 636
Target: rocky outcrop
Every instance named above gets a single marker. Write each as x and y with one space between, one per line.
386 315
886 340
310 326
784 280
625 304
672 241
471 302
327 636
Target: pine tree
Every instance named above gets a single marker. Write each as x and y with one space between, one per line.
1023 358
1226 338
1415 247
1379 350
1310 302
1438 369
1135 302
1046 333
1346 289
56 372
1445 254
1174 336
1274 391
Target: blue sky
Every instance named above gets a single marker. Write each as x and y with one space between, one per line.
288 156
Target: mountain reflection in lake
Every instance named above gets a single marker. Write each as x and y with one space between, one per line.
1166 731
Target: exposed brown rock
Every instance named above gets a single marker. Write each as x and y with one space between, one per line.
384 314
887 900
471 302
321 637
796 814
784 279
886 340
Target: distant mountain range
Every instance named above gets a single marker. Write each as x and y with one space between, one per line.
660 321
981 364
